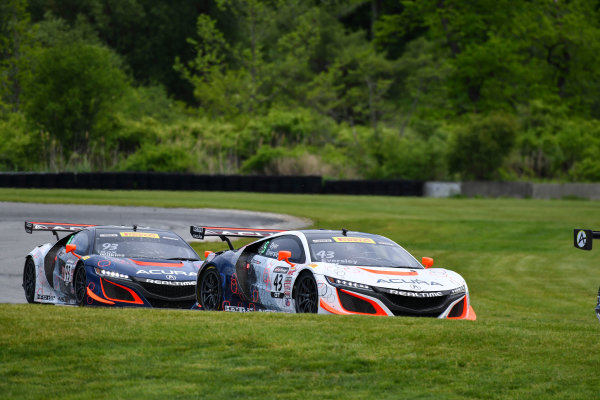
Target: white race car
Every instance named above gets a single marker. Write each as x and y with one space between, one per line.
326 272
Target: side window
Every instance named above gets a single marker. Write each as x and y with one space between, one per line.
289 243
82 241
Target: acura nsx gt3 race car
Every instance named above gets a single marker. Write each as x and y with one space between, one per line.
326 272
111 266
583 239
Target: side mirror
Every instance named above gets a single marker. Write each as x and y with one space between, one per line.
70 248
207 253
427 262
285 256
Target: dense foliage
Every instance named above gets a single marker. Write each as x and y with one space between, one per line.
414 89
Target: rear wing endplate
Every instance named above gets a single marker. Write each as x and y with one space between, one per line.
200 232
54 227
583 238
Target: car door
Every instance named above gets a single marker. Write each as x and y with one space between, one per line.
66 262
273 278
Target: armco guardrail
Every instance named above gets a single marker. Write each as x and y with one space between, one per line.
227 183
589 191
294 184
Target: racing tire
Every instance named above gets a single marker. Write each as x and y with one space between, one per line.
80 285
306 294
209 293
29 280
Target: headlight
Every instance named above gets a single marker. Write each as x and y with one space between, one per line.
110 274
337 282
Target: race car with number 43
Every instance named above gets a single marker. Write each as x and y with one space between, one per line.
326 272
111 266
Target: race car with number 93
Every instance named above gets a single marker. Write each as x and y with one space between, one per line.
326 272
111 266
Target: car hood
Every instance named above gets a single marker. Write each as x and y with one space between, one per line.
408 279
148 268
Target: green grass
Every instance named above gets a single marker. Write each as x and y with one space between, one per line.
536 335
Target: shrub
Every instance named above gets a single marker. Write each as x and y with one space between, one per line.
478 148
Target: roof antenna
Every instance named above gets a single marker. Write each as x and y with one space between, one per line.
344 231
134 227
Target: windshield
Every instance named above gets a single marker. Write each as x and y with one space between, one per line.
129 244
359 250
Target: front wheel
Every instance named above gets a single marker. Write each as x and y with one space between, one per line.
29 280
209 293
306 295
80 285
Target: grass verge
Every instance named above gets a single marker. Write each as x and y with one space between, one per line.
536 335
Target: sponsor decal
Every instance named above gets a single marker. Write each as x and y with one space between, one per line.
109 253
322 240
163 272
415 294
58 227
85 258
243 309
108 235
248 233
171 277
171 283
140 234
281 270
409 281
45 297
350 239
278 295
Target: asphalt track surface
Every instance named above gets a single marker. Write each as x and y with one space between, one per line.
15 244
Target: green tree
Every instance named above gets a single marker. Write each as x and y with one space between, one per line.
14 40
73 93
478 149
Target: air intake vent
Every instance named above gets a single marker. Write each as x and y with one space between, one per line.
355 304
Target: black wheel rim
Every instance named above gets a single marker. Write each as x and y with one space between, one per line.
306 295
29 281
80 286
210 291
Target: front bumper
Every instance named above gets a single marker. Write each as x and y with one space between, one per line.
381 301
140 293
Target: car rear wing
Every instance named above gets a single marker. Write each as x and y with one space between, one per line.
200 232
583 238
53 227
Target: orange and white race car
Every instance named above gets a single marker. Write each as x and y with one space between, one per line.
326 272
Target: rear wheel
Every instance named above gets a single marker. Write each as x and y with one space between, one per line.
29 280
209 293
80 285
306 295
